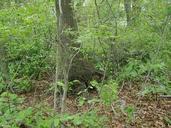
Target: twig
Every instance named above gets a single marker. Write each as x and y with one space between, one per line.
123 83
165 96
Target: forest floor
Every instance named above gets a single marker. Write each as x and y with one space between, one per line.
145 112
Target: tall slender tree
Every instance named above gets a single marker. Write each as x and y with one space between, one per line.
127 4
66 25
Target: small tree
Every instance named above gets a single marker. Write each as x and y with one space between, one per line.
66 25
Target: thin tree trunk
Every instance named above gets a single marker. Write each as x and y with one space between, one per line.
66 24
127 4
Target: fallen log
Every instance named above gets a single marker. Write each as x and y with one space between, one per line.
168 97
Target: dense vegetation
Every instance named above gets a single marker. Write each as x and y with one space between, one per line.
114 50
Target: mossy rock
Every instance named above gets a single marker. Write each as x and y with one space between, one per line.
84 72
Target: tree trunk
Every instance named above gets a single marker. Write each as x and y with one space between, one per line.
66 22
127 4
66 26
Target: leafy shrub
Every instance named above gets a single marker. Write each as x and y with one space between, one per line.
8 109
28 36
107 91
153 89
85 120
13 115
22 85
150 72
130 111
167 120
2 84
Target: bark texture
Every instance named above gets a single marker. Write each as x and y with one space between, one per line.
66 26
127 4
